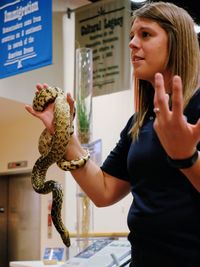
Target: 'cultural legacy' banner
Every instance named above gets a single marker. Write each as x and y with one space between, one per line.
104 27
25 35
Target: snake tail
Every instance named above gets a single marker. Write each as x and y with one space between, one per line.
56 213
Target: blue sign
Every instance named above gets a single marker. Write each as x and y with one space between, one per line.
25 35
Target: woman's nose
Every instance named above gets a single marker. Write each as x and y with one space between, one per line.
134 42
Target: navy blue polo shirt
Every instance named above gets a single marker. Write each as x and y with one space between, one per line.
165 211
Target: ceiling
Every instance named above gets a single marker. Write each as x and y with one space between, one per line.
62 5
12 110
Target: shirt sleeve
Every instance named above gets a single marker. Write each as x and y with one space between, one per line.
116 162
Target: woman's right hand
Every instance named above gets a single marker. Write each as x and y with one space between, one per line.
47 116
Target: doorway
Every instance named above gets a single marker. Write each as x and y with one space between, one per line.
19 219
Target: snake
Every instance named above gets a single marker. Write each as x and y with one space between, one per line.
52 149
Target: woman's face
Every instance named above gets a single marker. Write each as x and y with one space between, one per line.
149 49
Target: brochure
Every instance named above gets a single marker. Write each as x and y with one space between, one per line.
53 254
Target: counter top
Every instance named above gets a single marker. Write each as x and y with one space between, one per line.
33 264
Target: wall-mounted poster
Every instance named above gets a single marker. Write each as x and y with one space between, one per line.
25 35
104 26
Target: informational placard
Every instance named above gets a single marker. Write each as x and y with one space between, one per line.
104 26
102 253
25 35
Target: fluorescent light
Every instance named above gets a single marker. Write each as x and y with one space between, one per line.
138 1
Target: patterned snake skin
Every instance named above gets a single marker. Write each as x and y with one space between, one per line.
52 149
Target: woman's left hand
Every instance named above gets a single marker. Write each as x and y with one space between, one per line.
178 137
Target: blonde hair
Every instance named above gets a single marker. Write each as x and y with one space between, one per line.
183 57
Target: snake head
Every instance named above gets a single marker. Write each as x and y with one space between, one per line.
45 97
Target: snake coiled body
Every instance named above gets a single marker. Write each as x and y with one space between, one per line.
52 150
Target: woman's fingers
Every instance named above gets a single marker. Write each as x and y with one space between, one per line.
177 137
196 131
71 103
70 100
177 97
161 101
30 110
33 112
47 116
40 86
160 98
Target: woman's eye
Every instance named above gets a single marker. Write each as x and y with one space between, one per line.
145 34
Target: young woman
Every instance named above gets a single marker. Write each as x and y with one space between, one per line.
156 158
